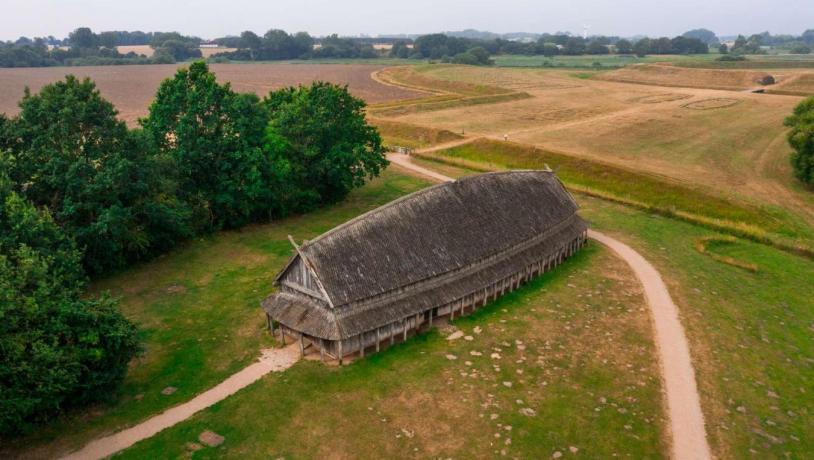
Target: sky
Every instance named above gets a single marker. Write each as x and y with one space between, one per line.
215 18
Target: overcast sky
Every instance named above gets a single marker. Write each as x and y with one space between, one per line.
213 18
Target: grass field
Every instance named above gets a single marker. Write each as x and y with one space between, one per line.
656 194
404 135
696 60
730 142
565 362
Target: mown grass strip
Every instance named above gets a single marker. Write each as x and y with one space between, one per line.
407 135
705 244
650 193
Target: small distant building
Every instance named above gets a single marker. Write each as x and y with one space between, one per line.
442 251
208 45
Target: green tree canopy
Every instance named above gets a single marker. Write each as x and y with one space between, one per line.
56 349
99 180
214 138
321 132
801 139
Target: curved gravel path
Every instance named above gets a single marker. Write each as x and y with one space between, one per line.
272 360
686 420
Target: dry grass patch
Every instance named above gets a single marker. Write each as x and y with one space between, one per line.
668 75
711 104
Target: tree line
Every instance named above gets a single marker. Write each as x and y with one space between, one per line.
81 194
84 47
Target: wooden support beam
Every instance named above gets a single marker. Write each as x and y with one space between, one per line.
404 328
378 339
282 334
340 352
302 346
322 350
362 344
431 317
392 333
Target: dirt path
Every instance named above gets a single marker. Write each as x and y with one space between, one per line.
686 420
273 360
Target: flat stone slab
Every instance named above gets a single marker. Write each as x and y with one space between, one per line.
168 391
211 439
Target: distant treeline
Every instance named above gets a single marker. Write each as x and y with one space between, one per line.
84 47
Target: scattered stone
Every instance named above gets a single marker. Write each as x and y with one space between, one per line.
495 355
475 353
139 397
211 439
408 433
573 449
528 412
168 391
772 394
452 357
507 384
741 409
493 416
478 330
193 446
469 338
557 454
176 288
468 363
455 335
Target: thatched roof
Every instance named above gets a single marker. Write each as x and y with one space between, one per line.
382 266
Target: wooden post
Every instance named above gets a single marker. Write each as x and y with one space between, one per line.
340 352
302 346
282 334
322 350
362 345
404 328
271 325
378 339
392 333
431 317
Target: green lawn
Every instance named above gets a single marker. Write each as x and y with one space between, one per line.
567 361
198 308
750 333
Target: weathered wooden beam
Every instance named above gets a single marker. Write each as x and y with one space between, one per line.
404 327
378 339
392 333
431 317
341 355
362 345
302 346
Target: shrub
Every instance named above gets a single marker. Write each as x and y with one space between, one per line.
801 139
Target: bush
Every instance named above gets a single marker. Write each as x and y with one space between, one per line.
731 58
57 350
801 49
801 139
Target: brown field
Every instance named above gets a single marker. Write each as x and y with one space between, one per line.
132 88
732 142
800 84
667 75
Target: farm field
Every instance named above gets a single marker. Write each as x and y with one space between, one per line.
728 141
132 88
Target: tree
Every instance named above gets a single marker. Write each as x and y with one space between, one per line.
99 180
642 47
83 38
550 49
706 36
400 49
321 133
213 137
56 349
624 47
800 49
723 49
596 48
808 36
574 46
801 139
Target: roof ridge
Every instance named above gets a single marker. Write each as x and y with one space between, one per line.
414 194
